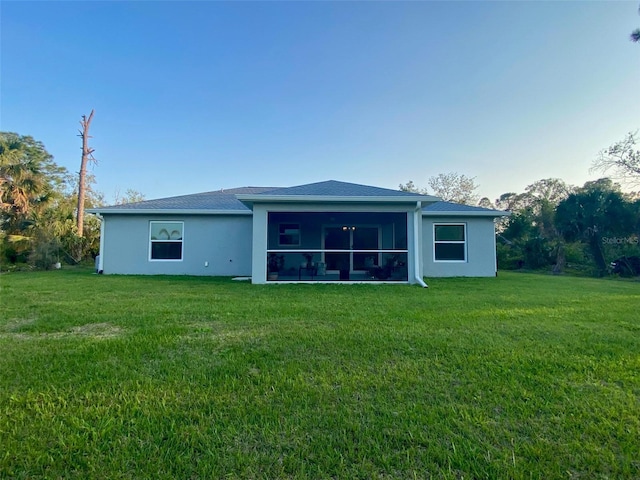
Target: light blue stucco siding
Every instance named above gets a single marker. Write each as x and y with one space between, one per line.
480 248
216 245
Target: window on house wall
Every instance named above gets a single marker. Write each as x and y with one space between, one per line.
165 240
289 234
450 242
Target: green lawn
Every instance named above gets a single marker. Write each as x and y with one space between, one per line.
520 376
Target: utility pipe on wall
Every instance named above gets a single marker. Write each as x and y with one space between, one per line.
100 253
417 224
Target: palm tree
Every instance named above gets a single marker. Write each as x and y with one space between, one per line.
28 179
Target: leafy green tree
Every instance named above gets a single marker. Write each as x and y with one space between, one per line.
526 247
512 201
38 207
485 202
411 187
455 187
533 240
30 182
451 187
75 248
29 179
597 210
130 196
543 196
38 202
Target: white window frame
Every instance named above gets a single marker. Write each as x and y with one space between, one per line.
280 244
456 242
181 241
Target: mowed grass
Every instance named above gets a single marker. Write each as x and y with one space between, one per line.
520 376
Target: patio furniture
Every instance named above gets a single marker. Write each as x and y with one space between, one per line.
311 271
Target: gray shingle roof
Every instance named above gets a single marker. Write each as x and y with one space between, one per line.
333 188
457 208
225 200
220 200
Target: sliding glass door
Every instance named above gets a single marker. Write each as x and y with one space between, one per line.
351 244
337 238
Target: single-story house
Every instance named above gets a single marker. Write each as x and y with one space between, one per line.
320 232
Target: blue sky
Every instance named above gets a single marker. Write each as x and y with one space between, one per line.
197 96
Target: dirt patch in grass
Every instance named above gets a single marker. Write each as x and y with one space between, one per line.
17 324
97 331
216 331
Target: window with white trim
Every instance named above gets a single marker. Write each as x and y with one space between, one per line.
165 240
289 235
450 242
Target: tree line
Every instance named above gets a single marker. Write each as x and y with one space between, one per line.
560 227
552 225
39 207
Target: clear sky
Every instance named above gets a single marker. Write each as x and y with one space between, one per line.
198 96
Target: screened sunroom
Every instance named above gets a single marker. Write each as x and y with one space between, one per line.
337 246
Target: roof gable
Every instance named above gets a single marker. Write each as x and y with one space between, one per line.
333 191
334 188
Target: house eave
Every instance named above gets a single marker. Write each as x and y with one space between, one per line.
166 211
495 214
250 199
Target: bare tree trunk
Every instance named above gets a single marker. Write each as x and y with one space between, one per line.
86 156
558 267
595 244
